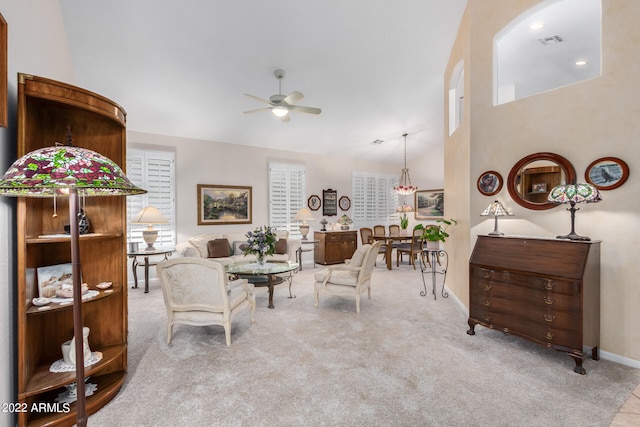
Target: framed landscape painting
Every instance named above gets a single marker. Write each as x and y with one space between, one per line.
429 204
224 204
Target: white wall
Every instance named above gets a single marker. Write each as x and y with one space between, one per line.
37 45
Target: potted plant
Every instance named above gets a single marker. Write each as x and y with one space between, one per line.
437 233
404 222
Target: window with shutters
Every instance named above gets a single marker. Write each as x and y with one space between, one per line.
155 172
286 196
373 199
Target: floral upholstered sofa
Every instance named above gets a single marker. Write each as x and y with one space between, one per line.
227 248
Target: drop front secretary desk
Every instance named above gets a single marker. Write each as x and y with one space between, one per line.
544 290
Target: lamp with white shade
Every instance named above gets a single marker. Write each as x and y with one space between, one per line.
496 209
304 215
149 216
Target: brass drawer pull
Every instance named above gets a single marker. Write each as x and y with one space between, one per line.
487 303
487 275
487 318
548 300
549 336
549 317
487 287
549 285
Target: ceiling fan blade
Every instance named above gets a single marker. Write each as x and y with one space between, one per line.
293 97
302 109
285 118
257 98
258 110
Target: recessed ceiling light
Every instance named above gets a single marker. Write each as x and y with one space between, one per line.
377 141
536 26
581 63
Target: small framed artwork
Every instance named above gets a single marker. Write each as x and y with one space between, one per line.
539 188
224 204
344 203
607 173
329 202
51 279
429 204
314 202
490 183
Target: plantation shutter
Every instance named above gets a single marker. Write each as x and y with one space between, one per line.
155 172
286 196
374 201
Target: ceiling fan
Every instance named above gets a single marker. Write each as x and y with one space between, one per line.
281 105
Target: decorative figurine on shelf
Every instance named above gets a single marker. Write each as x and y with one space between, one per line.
69 348
324 223
83 223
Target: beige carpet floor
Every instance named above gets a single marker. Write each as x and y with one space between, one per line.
405 360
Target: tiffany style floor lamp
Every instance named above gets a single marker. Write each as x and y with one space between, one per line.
61 171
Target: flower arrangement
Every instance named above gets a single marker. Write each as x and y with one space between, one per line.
261 242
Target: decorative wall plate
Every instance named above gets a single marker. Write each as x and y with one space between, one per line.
607 173
490 183
344 203
314 202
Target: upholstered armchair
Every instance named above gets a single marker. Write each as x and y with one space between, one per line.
352 279
197 292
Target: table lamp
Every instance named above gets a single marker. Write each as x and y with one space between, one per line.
345 221
149 216
60 171
572 194
304 215
496 209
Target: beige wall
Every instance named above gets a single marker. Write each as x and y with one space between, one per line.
582 122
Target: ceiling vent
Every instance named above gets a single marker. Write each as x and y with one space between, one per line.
550 40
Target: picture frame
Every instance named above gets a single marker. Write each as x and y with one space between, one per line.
344 203
314 202
51 278
429 204
490 183
329 202
224 204
607 173
539 188
4 113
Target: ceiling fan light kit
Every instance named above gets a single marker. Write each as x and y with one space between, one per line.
281 105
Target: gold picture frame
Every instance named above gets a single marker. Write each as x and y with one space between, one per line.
224 204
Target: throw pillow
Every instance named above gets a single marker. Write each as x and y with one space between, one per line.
201 243
238 247
281 246
219 248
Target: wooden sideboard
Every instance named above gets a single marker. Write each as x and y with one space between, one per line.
544 290
335 246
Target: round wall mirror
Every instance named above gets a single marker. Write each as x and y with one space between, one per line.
533 177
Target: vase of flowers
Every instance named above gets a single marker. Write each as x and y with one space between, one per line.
261 242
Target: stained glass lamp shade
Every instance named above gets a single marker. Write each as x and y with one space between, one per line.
572 194
61 171
496 209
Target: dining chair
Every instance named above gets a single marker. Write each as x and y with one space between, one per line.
413 249
379 230
394 230
366 235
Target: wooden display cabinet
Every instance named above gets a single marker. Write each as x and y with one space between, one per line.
537 182
46 110
334 246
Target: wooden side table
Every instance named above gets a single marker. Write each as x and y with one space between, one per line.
145 256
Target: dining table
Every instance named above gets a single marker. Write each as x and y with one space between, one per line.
389 242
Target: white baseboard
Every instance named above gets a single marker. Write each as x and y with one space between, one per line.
620 359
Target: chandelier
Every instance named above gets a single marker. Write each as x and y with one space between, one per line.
404 187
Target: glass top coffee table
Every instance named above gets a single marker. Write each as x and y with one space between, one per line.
270 274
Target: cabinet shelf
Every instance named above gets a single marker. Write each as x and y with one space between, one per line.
58 238
46 112
35 310
108 386
44 380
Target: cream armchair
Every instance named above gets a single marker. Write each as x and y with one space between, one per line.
351 279
197 292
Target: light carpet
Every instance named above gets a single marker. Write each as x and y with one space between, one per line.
405 360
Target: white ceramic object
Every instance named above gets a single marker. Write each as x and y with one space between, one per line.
41 301
104 285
